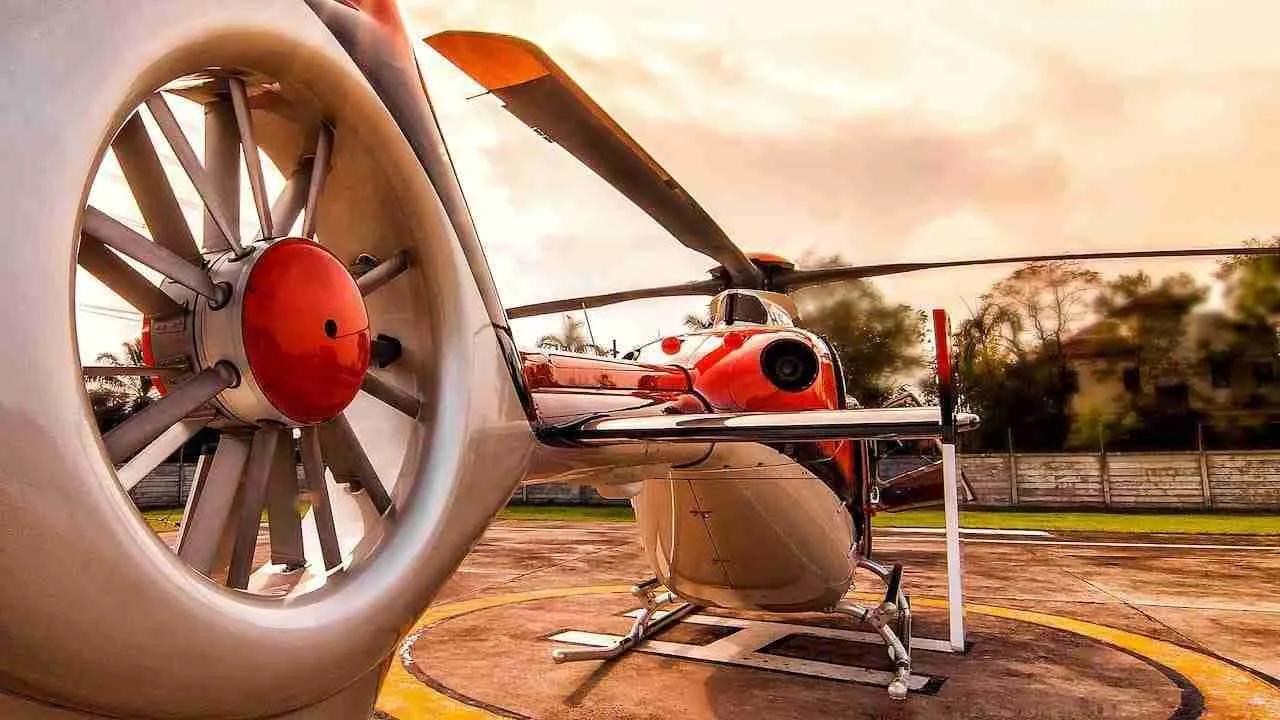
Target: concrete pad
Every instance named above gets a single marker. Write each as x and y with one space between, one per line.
1058 631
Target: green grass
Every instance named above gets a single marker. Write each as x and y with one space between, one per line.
1137 522
589 513
1183 523
163 520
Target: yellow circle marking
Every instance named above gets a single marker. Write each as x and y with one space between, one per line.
1229 692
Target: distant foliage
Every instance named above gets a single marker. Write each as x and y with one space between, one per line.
878 342
116 398
573 337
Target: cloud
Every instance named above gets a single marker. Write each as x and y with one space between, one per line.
880 132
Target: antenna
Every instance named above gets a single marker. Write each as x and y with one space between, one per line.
590 335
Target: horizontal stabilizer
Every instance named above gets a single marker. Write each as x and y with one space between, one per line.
765 427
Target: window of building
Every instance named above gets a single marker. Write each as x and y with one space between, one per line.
1220 371
1264 373
1132 378
1173 398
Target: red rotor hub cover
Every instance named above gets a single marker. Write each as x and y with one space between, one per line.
306 330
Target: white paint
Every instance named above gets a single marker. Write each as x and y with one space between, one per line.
965 531
1084 543
743 649
955 580
917 643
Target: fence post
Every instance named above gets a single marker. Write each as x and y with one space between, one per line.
1105 474
1013 470
1206 492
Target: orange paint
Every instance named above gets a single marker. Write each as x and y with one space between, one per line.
306 331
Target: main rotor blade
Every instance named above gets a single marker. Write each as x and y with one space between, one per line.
701 287
791 279
257 473
538 92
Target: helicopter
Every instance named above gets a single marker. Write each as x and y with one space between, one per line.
311 286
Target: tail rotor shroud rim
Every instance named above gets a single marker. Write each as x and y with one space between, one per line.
241 654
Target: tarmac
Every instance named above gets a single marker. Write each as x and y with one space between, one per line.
1058 626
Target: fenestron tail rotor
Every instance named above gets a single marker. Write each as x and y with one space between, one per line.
538 92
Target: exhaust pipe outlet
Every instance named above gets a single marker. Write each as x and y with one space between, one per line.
789 364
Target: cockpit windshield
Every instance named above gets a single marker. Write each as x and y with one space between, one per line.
736 306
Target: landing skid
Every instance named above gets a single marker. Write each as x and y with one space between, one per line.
891 619
644 626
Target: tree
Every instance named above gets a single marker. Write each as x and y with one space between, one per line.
115 398
1248 341
699 321
1253 285
572 338
877 341
1010 364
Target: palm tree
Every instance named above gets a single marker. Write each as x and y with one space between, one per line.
114 398
572 338
699 321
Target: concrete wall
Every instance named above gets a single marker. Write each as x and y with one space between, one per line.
1149 481
161 489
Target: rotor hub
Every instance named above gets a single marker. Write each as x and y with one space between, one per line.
306 331
296 328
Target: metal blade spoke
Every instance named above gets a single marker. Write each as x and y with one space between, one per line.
349 464
252 160
113 371
123 280
391 395
289 203
145 426
211 501
321 510
257 474
145 175
120 237
193 493
383 273
149 457
319 171
218 184
283 519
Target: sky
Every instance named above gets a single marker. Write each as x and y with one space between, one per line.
877 131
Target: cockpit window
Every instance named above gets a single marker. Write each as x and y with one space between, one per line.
746 308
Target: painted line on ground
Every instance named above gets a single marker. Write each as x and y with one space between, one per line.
963 531
1230 692
1089 543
